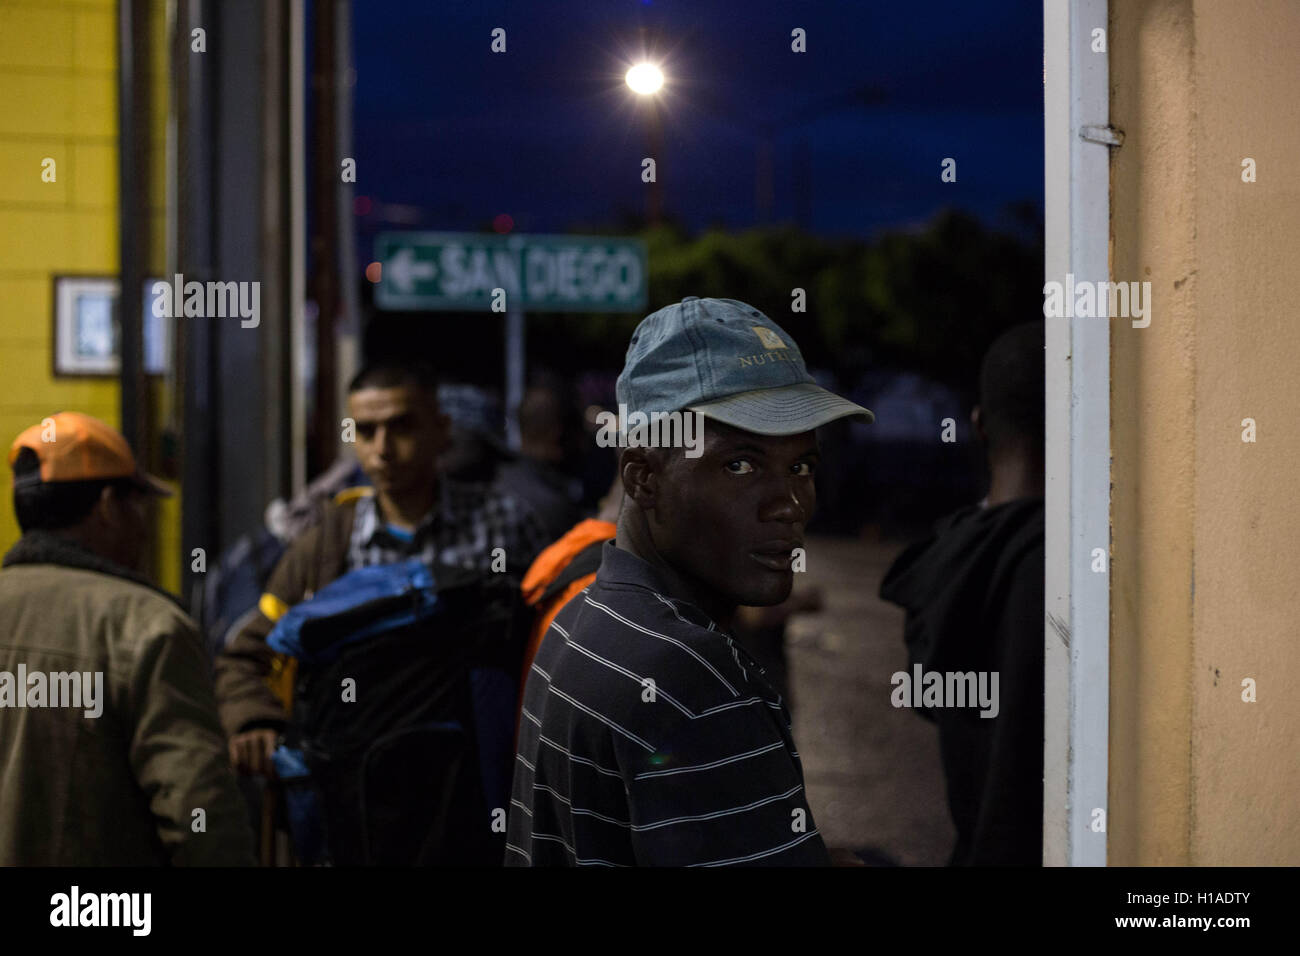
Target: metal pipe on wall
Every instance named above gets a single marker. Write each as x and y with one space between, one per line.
132 158
296 430
324 278
133 139
349 319
195 354
274 352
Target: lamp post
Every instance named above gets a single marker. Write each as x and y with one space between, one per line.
646 80
768 131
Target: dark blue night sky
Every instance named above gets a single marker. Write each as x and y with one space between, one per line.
549 134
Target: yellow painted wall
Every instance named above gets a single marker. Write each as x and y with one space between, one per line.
58 99
1205 527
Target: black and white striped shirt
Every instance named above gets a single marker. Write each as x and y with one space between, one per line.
650 738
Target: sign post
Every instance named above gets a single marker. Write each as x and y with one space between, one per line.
515 332
430 271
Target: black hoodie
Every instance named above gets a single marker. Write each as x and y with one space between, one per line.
973 592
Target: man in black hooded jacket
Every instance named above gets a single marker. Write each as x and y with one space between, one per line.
973 592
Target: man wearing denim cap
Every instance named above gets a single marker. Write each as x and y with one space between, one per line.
650 736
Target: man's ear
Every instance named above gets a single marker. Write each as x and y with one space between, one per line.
640 477
107 510
107 497
977 422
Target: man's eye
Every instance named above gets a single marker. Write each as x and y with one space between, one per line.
804 469
744 467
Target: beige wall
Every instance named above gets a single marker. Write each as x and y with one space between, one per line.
1206 528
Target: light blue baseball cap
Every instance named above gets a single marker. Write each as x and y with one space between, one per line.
730 362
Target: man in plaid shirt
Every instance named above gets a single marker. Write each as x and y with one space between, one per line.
410 511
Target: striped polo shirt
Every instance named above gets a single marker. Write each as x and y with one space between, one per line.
650 738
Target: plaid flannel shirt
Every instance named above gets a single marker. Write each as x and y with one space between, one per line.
466 526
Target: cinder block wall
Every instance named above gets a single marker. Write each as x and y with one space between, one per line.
58 100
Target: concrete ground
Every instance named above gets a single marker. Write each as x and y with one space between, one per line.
872 770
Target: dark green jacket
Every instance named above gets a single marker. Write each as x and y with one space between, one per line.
120 788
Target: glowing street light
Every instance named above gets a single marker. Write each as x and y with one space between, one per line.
645 79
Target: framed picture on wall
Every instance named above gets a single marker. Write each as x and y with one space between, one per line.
87 340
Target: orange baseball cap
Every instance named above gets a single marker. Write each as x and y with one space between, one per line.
76 447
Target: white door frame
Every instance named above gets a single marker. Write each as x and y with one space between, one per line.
1077 450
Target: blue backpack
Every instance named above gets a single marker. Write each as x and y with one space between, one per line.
400 747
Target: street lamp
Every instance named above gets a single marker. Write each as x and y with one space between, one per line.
645 79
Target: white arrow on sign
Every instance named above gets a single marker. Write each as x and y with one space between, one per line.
404 270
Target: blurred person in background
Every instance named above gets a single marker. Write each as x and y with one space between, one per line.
973 592
549 430
410 510
476 446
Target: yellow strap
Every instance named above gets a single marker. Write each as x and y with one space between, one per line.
349 494
284 673
284 669
272 607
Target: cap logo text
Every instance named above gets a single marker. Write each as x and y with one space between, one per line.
769 338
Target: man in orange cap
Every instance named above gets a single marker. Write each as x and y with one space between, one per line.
109 736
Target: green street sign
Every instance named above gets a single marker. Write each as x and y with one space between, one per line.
461 270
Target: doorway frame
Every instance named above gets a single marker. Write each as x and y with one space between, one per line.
1076 629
